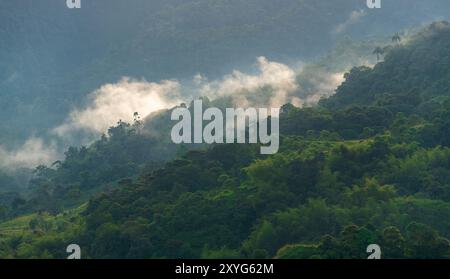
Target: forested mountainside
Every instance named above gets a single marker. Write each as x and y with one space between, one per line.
318 78
369 165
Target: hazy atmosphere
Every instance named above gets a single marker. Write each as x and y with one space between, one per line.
86 96
85 69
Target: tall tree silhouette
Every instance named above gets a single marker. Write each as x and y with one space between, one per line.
378 52
396 38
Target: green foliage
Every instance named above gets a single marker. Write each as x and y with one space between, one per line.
298 251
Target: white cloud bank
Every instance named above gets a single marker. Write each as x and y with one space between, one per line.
118 101
273 85
32 153
279 78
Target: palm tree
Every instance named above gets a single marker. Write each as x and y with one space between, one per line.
396 39
378 51
136 116
138 124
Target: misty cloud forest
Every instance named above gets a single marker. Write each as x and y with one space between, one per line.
86 156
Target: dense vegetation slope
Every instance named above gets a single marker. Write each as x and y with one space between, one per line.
369 165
